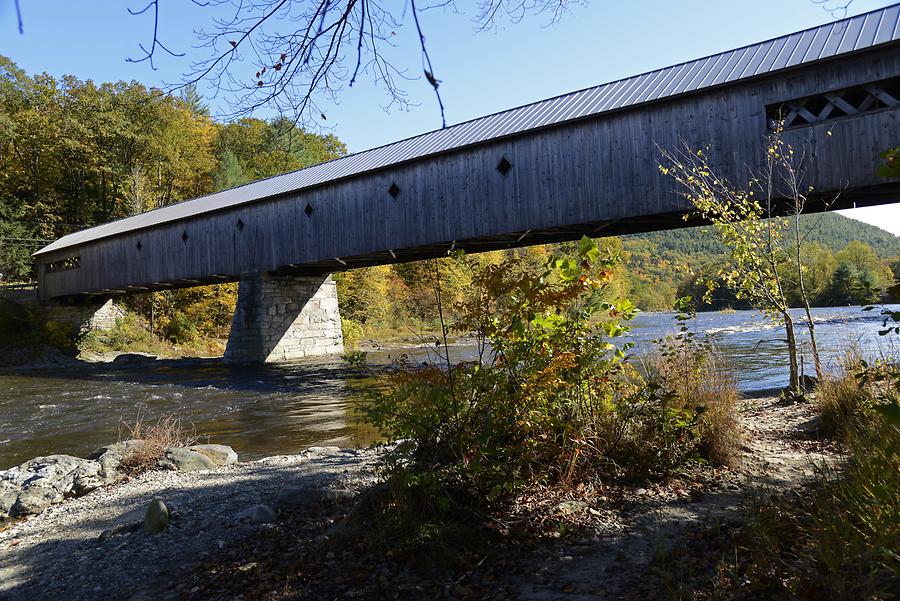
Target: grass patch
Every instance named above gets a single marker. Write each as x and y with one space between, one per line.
849 402
836 539
146 443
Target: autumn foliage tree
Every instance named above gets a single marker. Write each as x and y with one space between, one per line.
764 259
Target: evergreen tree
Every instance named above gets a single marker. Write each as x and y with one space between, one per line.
194 101
228 173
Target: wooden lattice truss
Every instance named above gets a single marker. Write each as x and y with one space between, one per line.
839 103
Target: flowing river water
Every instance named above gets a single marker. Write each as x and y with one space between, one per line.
271 410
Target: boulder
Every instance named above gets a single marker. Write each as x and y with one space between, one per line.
220 454
43 481
110 458
186 460
9 492
256 514
156 519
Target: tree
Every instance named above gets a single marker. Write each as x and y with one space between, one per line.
192 99
747 224
842 283
895 269
228 173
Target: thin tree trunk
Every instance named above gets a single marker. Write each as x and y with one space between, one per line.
792 352
812 338
800 280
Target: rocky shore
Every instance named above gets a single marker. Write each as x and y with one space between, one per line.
273 529
96 546
32 487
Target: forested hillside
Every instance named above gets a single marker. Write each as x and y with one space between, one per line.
664 264
74 153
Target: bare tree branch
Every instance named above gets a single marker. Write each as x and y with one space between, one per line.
149 54
19 17
295 56
426 64
837 8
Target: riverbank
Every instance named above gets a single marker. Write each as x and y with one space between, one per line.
601 543
63 552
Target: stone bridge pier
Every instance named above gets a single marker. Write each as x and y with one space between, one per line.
284 318
77 318
98 315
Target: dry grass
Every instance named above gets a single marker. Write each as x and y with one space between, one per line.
151 440
701 381
845 402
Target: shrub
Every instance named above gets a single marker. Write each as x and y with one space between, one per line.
552 399
695 378
180 329
128 333
476 432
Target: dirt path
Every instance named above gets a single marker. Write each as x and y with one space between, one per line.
779 452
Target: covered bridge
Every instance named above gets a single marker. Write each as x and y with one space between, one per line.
580 163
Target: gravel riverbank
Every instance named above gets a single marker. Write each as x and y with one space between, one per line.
92 548
255 530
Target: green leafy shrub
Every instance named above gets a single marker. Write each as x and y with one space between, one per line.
552 399
128 333
180 329
531 409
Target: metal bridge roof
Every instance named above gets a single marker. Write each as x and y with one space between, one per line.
813 44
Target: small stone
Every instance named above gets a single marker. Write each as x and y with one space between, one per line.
256 514
157 517
186 460
641 491
570 507
220 454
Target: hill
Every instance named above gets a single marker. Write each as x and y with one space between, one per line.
659 263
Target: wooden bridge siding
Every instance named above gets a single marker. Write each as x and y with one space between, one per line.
597 170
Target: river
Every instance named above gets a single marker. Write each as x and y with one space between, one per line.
271 410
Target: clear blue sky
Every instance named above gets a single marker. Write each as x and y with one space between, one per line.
480 72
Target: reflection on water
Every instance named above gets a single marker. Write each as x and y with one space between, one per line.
263 411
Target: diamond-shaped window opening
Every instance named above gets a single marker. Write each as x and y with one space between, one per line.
184 236
504 166
308 210
394 190
139 246
240 224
